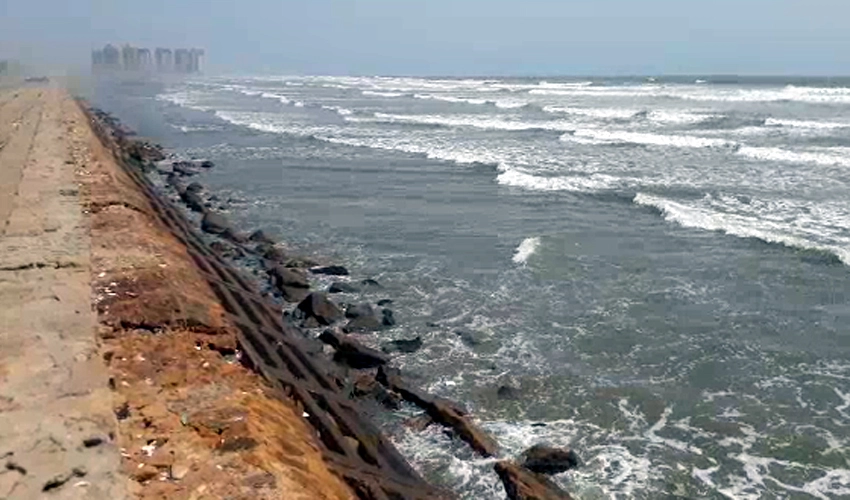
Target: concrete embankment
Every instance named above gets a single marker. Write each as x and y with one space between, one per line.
118 369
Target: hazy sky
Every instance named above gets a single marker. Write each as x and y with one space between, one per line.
456 37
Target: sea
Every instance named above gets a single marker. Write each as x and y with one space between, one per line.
657 267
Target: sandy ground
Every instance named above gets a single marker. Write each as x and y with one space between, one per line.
57 427
117 370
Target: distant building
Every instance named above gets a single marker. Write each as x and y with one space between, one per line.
133 59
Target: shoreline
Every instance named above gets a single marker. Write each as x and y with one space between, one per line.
288 276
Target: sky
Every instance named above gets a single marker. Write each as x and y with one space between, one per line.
448 37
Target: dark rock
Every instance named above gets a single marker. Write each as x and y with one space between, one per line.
419 423
370 283
545 460
385 302
226 250
342 287
274 254
387 318
363 324
359 311
507 392
184 168
215 223
260 237
207 164
236 237
193 200
521 484
364 385
300 262
195 187
330 270
288 277
352 353
310 322
213 198
316 305
406 346
432 324
468 337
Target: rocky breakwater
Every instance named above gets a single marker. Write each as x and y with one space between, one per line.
350 332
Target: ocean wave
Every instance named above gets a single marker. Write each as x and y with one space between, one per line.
499 103
473 121
829 157
805 124
510 176
648 139
734 224
381 94
526 249
339 110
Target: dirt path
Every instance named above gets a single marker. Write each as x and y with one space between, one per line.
57 427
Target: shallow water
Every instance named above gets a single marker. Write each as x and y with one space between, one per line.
660 267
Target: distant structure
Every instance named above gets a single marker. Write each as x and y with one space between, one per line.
4 65
140 60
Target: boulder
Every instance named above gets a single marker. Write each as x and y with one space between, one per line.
387 318
507 392
193 200
363 324
207 164
259 236
405 346
352 353
522 484
342 287
316 305
195 187
215 223
226 250
300 262
184 168
359 311
330 270
546 460
288 277
274 254
370 283
384 302
468 337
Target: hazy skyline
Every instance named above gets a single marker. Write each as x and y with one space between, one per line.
449 37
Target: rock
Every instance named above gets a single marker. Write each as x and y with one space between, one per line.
330 270
521 484
288 277
260 237
195 187
419 423
359 311
316 305
215 223
300 262
442 411
370 283
352 353
207 164
179 471
387 318
406 346
385 302
145 474
507 392
193 200
545 460
274 254
363 324
236 237
342 287
184 168
468 337
364 385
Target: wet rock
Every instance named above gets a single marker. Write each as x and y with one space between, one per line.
207 164
342 287
184 168
195 187
419 423
507 392
385 302
352 353
193 200
468 337
359 311
330 270
316 305
363 324
236 237
215 223
546 460
274 254
370 283
300 262
387 318
521 484
288 277
259 236
406 346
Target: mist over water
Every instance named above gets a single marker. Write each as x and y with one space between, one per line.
661 268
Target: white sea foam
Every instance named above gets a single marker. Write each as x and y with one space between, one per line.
382 94
583 184
835 157
701 216
339 110
474 121
805 124
649 139
526 249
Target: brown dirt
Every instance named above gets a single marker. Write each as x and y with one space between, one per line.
193 422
